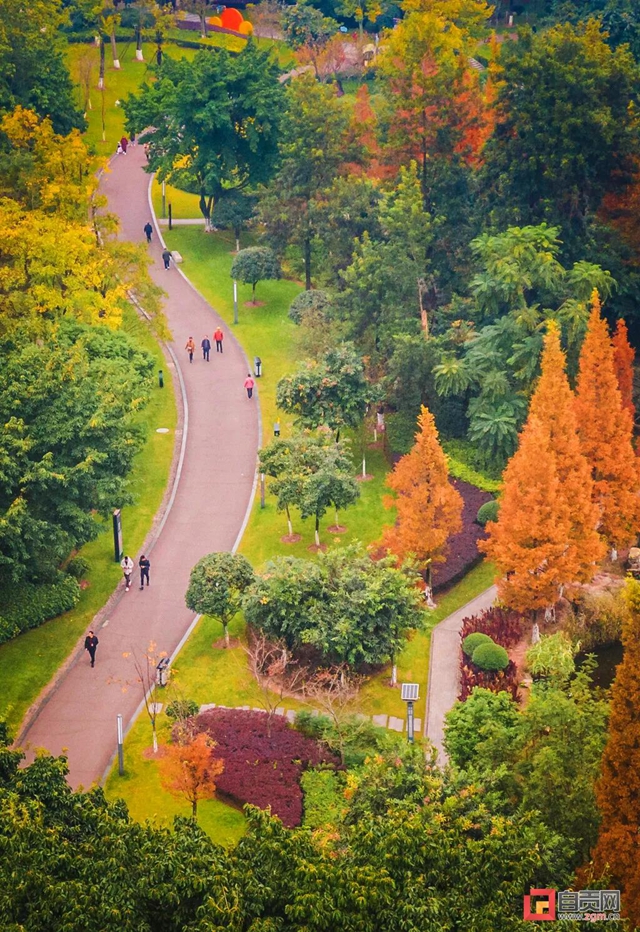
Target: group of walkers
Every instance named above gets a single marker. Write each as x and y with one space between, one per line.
123 145
190 345
91 641
166 254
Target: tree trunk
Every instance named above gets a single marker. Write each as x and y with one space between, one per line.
289 524
225 625
424 317
237 232
101 75
307 263
337 522
364 466
114 51
394 672
139 55
194 808
253 293
155 737
203 25
317 531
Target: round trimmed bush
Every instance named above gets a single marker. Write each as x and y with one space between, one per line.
475 640
78 567
490 657
308 301
180 709
488 512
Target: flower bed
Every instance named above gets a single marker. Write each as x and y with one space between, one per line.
259 769
463 553
505 628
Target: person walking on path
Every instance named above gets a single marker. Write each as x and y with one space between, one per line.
148 230
128 567
124 142
166 258
145 566
248 384
90 644
218 337
190 347
206 348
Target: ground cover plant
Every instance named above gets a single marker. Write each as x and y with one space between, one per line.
259 768
494 671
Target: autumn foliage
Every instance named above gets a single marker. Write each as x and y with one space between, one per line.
529 541
605 429
617 853
189 770
623 359
428 507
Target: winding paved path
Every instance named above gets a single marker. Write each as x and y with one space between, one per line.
444 667
213 495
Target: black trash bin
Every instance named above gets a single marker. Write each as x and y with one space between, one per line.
257 366
162 672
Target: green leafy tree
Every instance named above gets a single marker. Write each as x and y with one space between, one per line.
216 122
350 608
255 264
332 392
328 487
216 586
233 211
306 27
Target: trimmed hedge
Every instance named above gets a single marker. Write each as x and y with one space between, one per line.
30 606
488 512
490 657
475 640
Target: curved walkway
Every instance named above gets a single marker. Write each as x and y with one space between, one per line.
444 667
212 498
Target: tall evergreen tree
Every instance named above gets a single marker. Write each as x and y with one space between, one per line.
553 405
617 853
529 541
429 508
605 429
623 359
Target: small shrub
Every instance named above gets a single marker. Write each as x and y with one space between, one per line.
488 512
597 619
474 640
78 567
180 709
552 656
323 798
29 606
317 301
503 626
490 657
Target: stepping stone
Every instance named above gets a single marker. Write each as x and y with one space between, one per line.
280 710
245 708
207 706
396 724
256 708
380 720
291 716
155 708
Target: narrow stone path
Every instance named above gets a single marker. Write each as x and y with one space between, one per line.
212 498
444 667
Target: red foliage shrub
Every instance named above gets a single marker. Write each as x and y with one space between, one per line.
261 770
462 548
471 676
504 626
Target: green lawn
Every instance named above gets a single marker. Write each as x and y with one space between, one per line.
28 662
184 206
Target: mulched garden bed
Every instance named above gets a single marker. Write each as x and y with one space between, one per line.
463 553
260 769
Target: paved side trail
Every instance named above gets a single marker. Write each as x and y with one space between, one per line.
213 495
444 667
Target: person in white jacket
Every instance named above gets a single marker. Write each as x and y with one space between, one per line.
128 567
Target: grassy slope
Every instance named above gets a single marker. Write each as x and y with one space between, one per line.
28 663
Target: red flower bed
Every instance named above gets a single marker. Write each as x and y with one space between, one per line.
463 552
264 771
504 626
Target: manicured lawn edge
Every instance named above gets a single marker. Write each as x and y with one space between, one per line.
32 664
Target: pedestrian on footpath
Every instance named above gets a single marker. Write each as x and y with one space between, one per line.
90 644
119 149
166 258
145 566
148 230
218 337
132 139
190 347
128 567
206 348
124 142
248 384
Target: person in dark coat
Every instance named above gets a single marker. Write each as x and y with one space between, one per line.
148 230
90 644
166 258
145 566
206 348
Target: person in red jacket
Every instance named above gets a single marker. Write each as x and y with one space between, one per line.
248 384
218 337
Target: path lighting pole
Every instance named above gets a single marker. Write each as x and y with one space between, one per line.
164 199
410 695
235 301
120 747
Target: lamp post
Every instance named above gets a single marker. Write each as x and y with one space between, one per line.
410 694
235 301
120 746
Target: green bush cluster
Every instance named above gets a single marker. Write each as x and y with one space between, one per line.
30 606
490 657
474 640
488 512
180 709
323 798
308 301
78 567
465 464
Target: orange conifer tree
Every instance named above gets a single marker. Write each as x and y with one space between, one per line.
623 359
553 405
190 770
529 541
617 853
429 508
605 429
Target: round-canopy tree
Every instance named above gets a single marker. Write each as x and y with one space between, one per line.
216 586
255 264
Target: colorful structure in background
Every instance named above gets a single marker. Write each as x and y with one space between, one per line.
232 20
